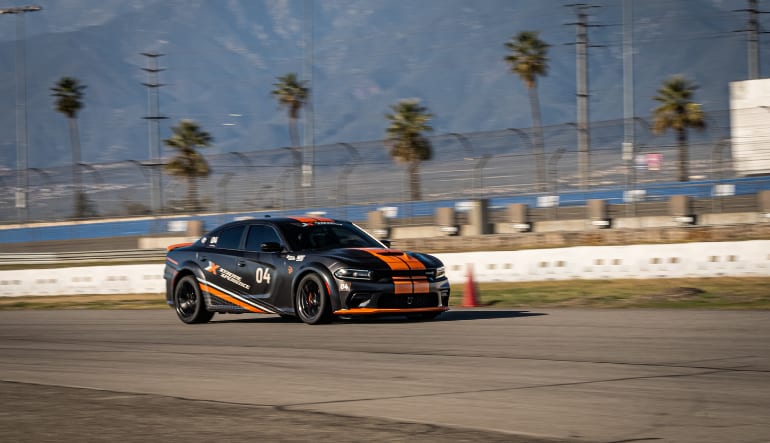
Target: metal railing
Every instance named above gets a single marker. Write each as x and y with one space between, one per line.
492 164
64 258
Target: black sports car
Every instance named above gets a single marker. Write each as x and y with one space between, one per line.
307 267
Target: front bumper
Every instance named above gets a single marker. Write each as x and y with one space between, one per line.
367 298
382 311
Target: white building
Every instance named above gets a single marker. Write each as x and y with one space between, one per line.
750 126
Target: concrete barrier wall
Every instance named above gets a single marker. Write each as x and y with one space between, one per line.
119 279
707 259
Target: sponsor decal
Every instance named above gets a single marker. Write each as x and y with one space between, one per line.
295 257
212 268
238 300
232 277
290 270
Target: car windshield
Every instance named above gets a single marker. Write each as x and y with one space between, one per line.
305 236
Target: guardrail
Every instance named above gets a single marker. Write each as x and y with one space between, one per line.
683 260
63 258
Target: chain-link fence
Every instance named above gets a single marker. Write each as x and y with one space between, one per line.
470 165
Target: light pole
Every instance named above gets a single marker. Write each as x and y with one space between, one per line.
223 191
553 160
342 179
523 136
22 149
296 154
717 168
469 152
244 160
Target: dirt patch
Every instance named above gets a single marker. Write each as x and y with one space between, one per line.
678 293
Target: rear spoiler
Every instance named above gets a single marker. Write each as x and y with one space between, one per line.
177 245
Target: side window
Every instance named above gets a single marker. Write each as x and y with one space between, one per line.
259 234
229 238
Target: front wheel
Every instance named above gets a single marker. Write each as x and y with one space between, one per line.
312 300
189 303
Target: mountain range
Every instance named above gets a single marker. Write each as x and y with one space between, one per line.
221 59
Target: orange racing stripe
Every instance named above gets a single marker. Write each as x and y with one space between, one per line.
308 219
397 260
400 261
177 245
421 285
233 300
403 285
394 262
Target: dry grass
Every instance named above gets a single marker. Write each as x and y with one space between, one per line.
112 301
716 293
722 292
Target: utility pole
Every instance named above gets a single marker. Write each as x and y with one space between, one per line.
628 89
154 117
22 142
308 164
752 37
629 136
581 46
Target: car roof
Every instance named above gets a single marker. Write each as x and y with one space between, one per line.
281 220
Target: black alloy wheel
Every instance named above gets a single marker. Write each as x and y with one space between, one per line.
312 300
189 303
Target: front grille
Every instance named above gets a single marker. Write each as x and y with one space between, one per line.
386 276
404 301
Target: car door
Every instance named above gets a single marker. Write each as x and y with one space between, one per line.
219 261
265 271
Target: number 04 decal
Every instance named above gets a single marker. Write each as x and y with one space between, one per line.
262 275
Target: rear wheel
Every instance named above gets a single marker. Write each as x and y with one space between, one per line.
312 300
189 303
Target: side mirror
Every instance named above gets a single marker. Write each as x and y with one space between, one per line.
271 247
386 243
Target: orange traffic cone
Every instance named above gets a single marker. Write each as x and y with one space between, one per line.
470 297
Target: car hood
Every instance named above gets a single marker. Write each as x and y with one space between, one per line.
382 258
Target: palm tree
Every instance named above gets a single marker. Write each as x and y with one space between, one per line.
69 101
189 163
291 94
677 111
529 60
405 138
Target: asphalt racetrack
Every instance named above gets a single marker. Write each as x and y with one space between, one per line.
473 375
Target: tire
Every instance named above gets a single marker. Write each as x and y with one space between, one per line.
188 302
311 301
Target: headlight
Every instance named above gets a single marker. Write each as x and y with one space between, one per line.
436 274
353 274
